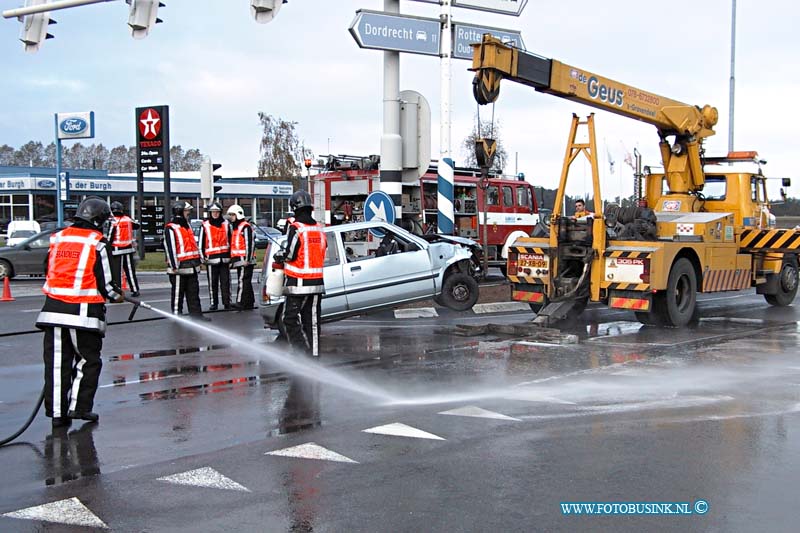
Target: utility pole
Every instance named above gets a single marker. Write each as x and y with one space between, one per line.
445 220
733 77
391 173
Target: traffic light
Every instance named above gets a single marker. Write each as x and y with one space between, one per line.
307 162
143 16
265 10
207 179
34 27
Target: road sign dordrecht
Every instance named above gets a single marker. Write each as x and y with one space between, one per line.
466 34
399 33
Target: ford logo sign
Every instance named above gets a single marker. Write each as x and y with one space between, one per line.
45 184
73 126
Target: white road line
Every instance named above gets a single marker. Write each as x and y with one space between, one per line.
70 511
500 307
311 450
419 312
204 477
477 412
401 430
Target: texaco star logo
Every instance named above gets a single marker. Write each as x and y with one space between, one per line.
149 124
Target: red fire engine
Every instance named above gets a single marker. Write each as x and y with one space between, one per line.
509 205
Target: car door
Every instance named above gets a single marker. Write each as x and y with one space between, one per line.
334 301
374 281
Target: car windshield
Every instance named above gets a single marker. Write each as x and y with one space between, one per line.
22 233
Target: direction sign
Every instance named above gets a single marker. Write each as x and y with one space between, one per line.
399 33
466 34
379 206
507 7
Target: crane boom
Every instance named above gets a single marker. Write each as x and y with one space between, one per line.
494 61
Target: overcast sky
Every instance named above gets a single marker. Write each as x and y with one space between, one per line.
217 68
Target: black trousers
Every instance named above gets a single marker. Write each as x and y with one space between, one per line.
185 286
301 315
245 298
219 279
123 263
71 370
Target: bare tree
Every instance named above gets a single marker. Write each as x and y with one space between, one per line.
487 131
280 149
176 156
30 154
118 160
7 155
192 159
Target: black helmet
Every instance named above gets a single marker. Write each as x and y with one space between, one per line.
300 199
178 207
117 208
94 210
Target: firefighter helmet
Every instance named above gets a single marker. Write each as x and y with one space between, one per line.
94 210
178 208
215 207
117 208
237 210
300 199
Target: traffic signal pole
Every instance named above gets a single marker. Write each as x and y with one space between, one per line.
52 6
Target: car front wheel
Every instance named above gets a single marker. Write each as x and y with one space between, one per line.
5 269
459 292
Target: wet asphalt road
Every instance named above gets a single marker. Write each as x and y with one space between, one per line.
630 414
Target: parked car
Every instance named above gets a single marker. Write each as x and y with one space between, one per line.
20 230
360 276
264 235
26 258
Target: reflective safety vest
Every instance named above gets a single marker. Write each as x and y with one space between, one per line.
310 253
70 267
216 238
238 244
122 232
185 245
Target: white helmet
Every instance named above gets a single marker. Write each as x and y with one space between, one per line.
237 210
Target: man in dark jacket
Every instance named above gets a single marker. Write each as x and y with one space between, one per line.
74 313
121 240
183 261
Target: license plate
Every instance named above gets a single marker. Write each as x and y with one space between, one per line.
532 261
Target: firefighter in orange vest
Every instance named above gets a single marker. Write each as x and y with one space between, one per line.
303 260
215 252
74 313
183 261
243 257
121 239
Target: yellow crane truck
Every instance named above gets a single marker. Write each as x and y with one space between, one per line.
702 225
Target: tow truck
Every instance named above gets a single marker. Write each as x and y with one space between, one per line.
698 226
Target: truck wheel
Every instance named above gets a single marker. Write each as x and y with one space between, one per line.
680 299
5 269
787 285
459 292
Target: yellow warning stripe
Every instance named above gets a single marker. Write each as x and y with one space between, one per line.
636 304
783 239
629 286
726 280
632 255
525 296
526 279
527 250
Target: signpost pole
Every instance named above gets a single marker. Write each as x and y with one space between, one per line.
391 143
167 165
59 205
445 190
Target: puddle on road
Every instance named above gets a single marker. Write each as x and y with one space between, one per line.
164 353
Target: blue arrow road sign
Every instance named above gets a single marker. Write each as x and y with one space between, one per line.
400 33
379 206
466 34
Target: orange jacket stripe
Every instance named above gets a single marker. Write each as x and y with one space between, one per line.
68 280
310 257
122 231
216 238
